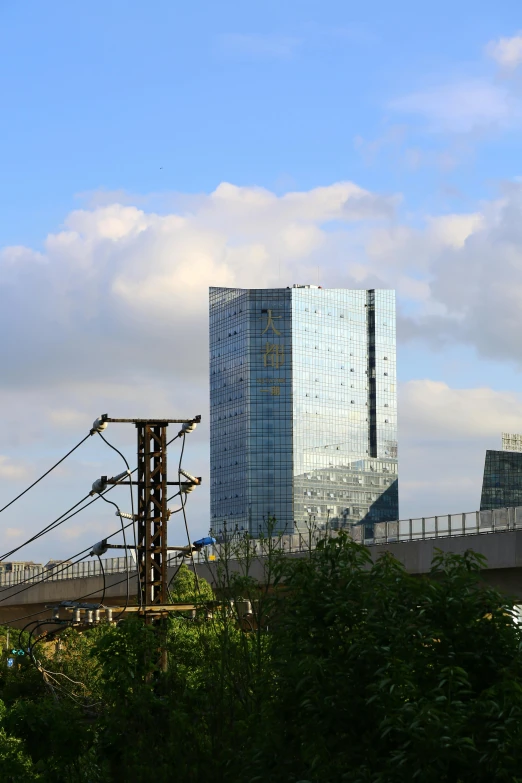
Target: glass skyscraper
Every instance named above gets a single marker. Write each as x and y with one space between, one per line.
502 482
303 412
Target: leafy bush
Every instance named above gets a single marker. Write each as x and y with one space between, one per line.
345 670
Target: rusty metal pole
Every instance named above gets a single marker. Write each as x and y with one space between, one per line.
152 513
152 516
152 519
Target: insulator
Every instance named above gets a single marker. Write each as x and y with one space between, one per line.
108 614
188 488
243 608
190 476
100 485
189 426
119 477
88 616
125 515
96 615
100 548
99 424
77 615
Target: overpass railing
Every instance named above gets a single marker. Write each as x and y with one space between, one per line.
466 524
498 520
111 565
470 523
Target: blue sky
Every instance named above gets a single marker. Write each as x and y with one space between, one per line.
120 123
104 94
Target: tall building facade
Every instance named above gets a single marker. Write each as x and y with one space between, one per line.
303 412
502 482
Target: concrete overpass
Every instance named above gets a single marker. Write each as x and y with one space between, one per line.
412 542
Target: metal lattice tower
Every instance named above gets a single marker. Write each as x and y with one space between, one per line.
152 512
152 516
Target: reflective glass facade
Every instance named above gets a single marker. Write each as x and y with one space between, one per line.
303 407
502 483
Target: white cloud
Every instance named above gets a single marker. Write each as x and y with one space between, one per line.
507 52
473 266
453 230
461 107
13 532
11 470
121 294
119 289
444 434
431 409
112 317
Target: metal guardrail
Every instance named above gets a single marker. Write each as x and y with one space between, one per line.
111 565
499 520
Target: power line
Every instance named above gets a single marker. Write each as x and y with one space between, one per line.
24 617
153 556
118 512
102 599
59 520
46 473
46 578
29 583
48 528
189 543
132 513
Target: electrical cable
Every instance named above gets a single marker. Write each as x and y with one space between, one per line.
46 473
132 512
93 592
24 617
30 583
60 520
21 632
103 574
52 573
126 551
46 529
125 578
185 519
174 575
41 611
51 525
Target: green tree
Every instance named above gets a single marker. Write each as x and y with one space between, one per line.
379 677
15 764
331 669
186 588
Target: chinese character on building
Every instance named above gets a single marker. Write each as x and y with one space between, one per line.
274 355
270 323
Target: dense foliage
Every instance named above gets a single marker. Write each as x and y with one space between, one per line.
343 671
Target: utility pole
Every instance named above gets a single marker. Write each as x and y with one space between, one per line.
152 513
